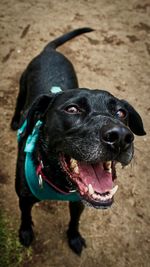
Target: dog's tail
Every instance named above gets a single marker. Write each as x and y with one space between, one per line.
66 37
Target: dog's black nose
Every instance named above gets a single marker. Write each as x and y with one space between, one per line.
117 136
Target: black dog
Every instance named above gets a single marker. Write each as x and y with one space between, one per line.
70 141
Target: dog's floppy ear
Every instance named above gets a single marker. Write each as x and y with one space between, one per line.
135 121
37 111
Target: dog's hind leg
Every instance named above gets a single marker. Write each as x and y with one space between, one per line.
75 240
26 234
21 99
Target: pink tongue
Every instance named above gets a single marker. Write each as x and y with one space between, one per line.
95 175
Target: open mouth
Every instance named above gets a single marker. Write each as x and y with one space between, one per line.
94 182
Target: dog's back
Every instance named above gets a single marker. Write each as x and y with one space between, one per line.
49 69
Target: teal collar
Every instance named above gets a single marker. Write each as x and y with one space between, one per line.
39 187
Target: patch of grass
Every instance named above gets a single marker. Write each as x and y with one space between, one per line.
12 253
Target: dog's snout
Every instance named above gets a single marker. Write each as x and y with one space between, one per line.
117 136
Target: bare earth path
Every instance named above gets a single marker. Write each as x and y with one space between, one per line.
115 57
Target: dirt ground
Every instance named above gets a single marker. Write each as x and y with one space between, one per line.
115 57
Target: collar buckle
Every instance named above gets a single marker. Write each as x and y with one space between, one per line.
40 181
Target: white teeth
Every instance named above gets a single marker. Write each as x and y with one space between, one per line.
107 166
76 170
109 170
74 166
97 196
91 190
94 196
73 163
104 198
113 191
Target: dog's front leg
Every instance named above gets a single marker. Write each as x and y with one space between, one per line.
75 240
26 234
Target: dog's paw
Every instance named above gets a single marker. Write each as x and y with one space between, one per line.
26 236
76 243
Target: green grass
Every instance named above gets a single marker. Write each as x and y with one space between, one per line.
12 254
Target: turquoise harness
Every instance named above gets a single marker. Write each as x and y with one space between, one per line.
39 188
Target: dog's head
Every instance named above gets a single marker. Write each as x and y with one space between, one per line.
87 132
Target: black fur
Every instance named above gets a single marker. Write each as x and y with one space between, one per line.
84 132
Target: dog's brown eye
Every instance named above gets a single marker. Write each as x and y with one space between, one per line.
121 113
72 109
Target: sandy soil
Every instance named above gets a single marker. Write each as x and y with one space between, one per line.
115 57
